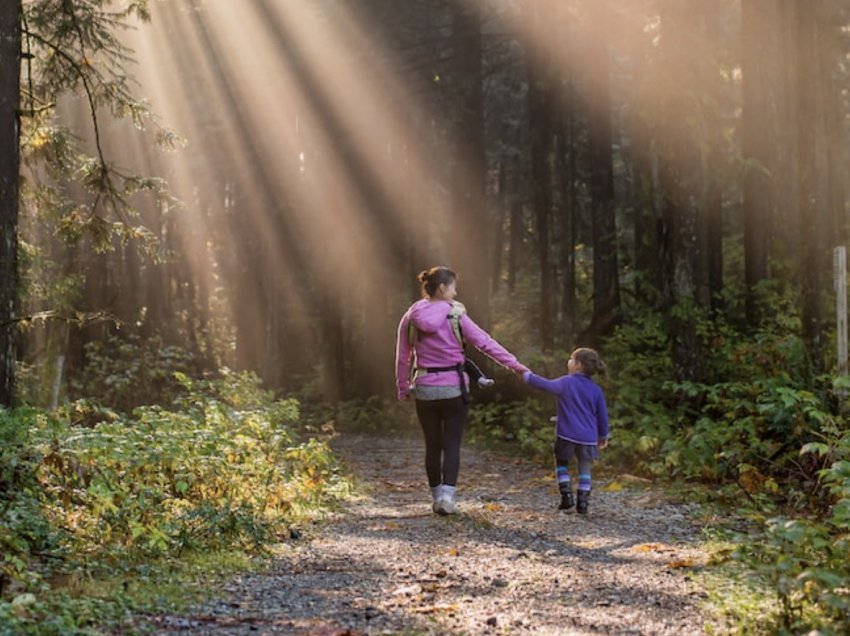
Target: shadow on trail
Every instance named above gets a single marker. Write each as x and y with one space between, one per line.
509 563
509 544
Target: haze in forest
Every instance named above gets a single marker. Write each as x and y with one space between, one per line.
334 149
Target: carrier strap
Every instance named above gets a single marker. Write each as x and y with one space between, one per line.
464 392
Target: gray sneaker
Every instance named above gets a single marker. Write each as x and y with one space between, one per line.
436 495
445 503
447 507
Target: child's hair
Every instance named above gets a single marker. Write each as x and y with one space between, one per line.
590 361
431 279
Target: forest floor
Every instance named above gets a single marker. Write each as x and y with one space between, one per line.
508 563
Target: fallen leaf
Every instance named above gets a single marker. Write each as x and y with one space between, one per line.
453 552
681 563
430 609
390 525
401 485
614 486
641 480
653 547
492 507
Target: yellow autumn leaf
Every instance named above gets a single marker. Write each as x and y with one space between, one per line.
650 547
681 563
614 486
430 609
453 552
492 507
389 525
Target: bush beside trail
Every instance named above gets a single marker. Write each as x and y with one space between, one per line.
86 492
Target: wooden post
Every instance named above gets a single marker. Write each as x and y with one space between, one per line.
840 261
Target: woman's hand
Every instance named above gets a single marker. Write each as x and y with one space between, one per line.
603 443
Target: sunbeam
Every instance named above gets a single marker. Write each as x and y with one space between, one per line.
321 141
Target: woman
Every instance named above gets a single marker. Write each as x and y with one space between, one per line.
429 364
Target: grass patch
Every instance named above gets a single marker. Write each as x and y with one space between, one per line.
738 603
79 603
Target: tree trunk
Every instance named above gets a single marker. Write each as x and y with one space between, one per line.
515 245
567 166
830 52
757 31
784 246
606 287
469 219
249 310
515 229
712 239
681 173
710 230
10 157
565 177
498 242
811 194
646 218
540 115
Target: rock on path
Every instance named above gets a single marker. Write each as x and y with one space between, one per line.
508 563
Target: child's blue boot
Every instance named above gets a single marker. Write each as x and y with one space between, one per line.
583 502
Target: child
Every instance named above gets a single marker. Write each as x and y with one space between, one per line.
582 422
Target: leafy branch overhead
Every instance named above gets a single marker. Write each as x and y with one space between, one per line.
72 50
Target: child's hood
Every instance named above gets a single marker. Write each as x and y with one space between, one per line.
428 315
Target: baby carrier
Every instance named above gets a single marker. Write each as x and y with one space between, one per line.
454 316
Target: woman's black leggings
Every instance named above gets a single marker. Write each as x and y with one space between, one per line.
442 423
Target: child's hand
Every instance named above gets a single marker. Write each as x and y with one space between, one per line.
603 443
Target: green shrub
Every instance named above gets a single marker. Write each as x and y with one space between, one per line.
126 370
24 530
525 424
803 558
221 469
372 415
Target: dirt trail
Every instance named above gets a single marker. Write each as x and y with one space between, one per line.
509 563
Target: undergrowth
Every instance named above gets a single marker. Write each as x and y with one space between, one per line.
758 436
88 494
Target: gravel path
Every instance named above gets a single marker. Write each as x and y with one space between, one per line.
508 563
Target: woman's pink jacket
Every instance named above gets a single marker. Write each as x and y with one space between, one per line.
436 346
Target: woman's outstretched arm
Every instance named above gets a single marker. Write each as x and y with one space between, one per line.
482 341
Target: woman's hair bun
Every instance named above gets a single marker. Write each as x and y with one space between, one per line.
431 279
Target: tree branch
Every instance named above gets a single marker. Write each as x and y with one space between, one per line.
81 318
106 185
68 8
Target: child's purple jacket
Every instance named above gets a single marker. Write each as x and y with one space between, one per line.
582 413
436 346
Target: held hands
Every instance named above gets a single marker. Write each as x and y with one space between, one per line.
521 370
